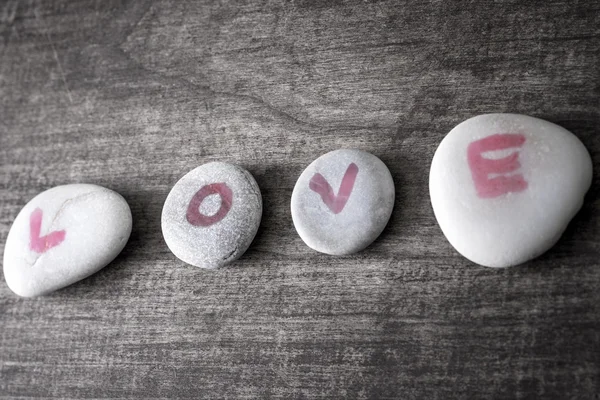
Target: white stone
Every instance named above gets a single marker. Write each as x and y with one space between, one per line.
64 235
505 212
342 201
212 214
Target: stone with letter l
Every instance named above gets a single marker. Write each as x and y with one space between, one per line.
64 235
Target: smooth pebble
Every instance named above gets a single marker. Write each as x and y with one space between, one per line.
505 186
64 235
342 201
212 214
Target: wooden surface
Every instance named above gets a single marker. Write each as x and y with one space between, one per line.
133 95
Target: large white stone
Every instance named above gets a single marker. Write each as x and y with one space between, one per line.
64 235
505 186
212 214
342 201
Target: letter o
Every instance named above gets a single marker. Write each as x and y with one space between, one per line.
196 218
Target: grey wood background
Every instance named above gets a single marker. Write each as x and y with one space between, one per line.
132 95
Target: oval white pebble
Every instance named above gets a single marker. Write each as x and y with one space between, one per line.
505 186
212 214
342 201
64 235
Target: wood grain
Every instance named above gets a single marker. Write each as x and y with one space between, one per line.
131 95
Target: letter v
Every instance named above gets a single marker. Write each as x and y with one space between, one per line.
335 203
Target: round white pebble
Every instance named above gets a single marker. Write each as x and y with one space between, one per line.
343 201
505 186
64 235
212 214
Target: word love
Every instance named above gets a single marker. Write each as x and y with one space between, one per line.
321 186
480 152
483 168
366 200
43 243
529 175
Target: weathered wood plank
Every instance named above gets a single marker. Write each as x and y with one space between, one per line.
132 95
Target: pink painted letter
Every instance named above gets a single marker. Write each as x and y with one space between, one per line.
40 244
481 167
335 203
196 218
